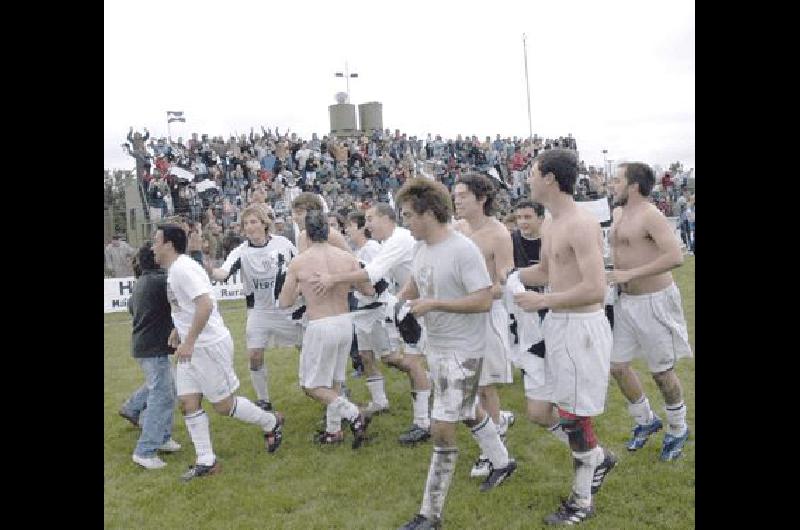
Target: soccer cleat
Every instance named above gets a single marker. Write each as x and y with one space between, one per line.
359 429
414 434
170 446
273 438
498 476
641 433
420 522
569 513
329 438
673 446
481 468
600 472
152 462
199 470
133 419
264 405
373 409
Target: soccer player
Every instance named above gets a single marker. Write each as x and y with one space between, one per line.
369 317
328 336
474 203
204 353
393 262
576 332
649 319
451 288
263 260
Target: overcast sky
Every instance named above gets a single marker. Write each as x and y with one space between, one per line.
618 75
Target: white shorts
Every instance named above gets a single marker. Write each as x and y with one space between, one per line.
535 381
578 360
455 385
326 348
370 332
210 372
496 359
268 328
651 326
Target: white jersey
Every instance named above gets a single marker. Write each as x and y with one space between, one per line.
365 254
186 280
261 267
394 259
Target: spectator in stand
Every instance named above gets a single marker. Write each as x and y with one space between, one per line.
118 255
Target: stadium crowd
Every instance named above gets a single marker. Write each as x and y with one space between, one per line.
208 181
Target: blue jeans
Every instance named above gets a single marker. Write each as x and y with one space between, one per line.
157 395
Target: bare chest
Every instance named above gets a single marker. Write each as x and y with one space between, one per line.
627 232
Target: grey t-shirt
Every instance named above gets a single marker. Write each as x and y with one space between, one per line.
448 270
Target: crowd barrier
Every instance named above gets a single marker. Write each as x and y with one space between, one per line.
117 291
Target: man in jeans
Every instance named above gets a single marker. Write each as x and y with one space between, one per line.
152 325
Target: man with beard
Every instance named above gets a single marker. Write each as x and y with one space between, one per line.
649 319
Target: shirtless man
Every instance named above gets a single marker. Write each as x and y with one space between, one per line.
394 263
576 332
474 202
648 315
328 337
304 203
451 289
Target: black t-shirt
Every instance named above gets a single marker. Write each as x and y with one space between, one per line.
526 251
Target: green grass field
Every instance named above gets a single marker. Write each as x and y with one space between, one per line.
304 485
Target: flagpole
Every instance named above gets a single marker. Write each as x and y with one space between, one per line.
527 84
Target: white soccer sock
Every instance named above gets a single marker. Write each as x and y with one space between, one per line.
676 418
485 433
585 463
558 431
641 411
422 415
377 391
197 425
333 418
440 473
344 408
259 379
245 410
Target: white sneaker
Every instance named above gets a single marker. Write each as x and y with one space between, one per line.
482 467
170 446
149 463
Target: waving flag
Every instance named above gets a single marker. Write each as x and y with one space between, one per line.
175 116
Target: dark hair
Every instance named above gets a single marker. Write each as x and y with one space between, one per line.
385 210
563 163
174 234
641 174
535 206
145 258
481 186
340 220
317 225
424 195
361 221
